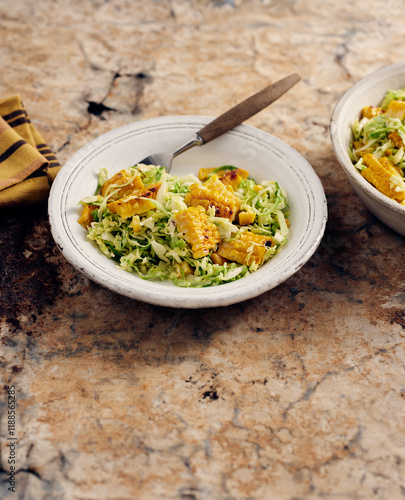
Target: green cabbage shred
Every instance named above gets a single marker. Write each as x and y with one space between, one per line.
372 134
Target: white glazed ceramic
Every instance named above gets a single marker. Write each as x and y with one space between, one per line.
368 91
263 155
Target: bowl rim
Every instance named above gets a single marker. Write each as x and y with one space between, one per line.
369 81
317 220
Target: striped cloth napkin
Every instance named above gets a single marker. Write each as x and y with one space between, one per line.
27 165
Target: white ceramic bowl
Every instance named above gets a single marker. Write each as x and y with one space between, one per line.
263 155
368 91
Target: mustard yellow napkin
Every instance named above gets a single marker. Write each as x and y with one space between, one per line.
27 165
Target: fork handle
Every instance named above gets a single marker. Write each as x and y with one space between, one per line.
247 108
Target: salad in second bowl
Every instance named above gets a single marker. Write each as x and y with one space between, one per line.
194 231
377 149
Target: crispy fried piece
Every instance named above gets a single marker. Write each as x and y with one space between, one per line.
195 227
395 139
249 248
133 204
234 177
87 218
214 193
121 179
396 109
379 173
371 111
246 218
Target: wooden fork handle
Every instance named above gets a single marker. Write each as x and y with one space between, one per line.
247 108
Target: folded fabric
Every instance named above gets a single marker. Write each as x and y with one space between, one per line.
27 164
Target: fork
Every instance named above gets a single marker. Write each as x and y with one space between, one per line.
228 120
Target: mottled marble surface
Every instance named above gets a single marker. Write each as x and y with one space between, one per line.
296 395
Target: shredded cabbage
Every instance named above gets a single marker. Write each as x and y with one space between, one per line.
372 135
148 244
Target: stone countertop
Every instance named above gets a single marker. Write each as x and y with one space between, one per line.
298 394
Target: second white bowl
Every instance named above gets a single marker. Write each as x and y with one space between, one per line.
368 91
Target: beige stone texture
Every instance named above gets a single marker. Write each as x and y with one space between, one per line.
298 394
